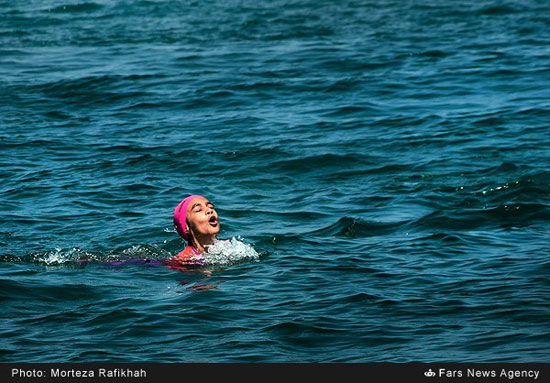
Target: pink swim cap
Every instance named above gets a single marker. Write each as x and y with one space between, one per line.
180 216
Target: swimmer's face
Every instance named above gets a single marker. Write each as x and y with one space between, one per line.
202 217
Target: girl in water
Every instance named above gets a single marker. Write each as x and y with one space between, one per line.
196 221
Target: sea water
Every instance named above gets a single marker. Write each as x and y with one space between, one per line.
380 169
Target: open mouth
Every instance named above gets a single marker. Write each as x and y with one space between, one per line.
213 221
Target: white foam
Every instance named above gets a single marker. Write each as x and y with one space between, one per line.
220 253
60 256
144 252
228 252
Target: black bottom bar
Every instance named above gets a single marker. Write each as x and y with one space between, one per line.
177 372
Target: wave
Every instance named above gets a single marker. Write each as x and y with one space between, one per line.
498 10
221 253
89 90
501 215
528 188
354 228
326 160
76 255
510 215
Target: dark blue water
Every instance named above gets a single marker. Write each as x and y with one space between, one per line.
387 162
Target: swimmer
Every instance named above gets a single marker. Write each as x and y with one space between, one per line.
196 221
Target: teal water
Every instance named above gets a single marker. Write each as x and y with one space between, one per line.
383 168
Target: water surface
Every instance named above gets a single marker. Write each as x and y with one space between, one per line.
387 160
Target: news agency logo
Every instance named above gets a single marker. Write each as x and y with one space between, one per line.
429 373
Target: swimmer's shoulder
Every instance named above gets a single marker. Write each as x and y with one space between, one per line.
185 254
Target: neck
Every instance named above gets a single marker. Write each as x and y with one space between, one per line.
201 242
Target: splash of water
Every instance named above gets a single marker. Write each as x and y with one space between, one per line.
228 252
220 253
60 256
